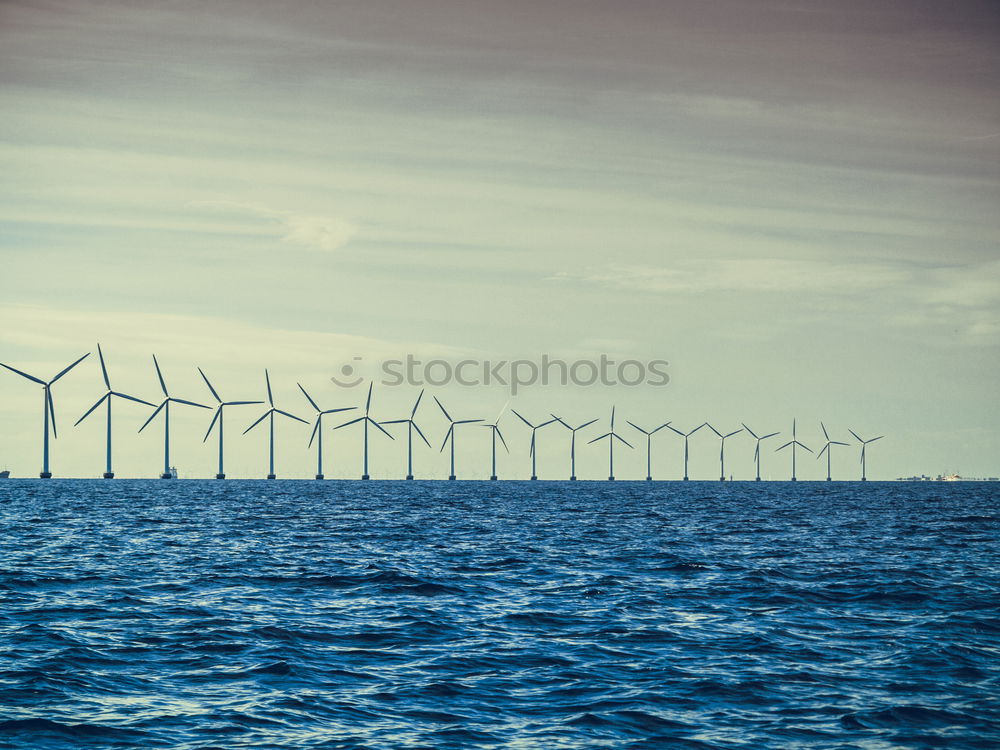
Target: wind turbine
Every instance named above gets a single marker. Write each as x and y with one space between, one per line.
795 444
686 436
722 449
108 473
451 434
827 450
165 408
269 415
47 410
572 444
756 453
219 418
366 419
318 428
410 426
611 437
494 428
649 441
864 444
532 451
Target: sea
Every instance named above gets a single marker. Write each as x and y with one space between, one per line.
387 614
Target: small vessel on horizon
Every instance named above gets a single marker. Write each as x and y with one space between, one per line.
5 474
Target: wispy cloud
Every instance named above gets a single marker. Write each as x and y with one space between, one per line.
323 233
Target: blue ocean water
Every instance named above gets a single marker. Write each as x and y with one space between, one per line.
251 614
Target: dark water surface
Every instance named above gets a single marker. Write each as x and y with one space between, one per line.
190 614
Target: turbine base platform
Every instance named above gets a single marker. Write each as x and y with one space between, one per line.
649 479
829 479
611 479
220 476
320 476
45 475
757 479
271 476
686 479
452 477
572 479
108 475
493 478
534 478
864 479
722 479
166 476
410 477
794 479
365 476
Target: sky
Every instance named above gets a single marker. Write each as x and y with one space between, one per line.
794 203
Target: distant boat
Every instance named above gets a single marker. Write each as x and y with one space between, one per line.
5 474
173 472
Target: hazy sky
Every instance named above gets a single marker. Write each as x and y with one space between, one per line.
794 202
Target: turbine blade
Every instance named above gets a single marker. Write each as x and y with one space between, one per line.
500 435
557 419
67 369
546 423
240 403
665 424
756 451
342 408
261 419
671 427
606 434
315 429
394 421
151 416
531 450
855 435
837 442
698 428
782 447
159 374
768 436
638 427
874 439
308 398
586 424
368 403
422 436
445 411
267 379
91 409
190 403
825 449
713 429
516 414
749 430
612 419
468 421
382 429
130 398
291 416
348 424
52 411
826 436
804 447
23 374
735 432
446 435
619 437
104 369
419 396
215 418
209 384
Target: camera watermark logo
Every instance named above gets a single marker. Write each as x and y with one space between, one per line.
514 374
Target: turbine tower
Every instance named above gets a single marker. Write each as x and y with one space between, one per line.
572 444
495 433
611 437
722 449
686 436
756 453
451 434
165 408
269 415
366 420
534 428
108 394
48 410
795 444
218 417
649 444
318 428
864 444
827 450
411 425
